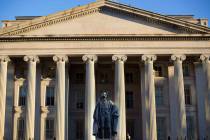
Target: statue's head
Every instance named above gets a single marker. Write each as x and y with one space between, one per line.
104 96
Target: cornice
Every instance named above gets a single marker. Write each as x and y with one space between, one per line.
128 37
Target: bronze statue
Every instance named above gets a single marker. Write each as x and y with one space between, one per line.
105 119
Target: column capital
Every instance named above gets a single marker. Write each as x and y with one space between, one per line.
60 58
148 57
119 58
178 57
86 58
16 109
205 57
44 110
4 58
31 58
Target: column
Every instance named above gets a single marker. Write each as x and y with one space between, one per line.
30 99
172 103
206 69
60 96
200 77
3 86
120 93
180 97
149 107
90 96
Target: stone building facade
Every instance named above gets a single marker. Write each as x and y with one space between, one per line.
154 67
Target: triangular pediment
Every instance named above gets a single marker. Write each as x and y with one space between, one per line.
100 23
104 18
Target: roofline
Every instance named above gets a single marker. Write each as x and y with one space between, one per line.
181 15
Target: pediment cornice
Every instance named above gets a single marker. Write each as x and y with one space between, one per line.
99 6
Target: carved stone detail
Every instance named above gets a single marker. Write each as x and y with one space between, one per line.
31 58
17 109
119 58
205 57
44 109
148 57
178 57
4 59
89 58
60 58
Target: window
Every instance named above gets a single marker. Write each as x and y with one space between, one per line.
48 71
20 70
187 94
190 128
22 95
80 78
129 78
159 98
186 70
49 128
130 127
21 129
161 128
158 71
50 91
104 79
129 99
79 100
79 129
205 23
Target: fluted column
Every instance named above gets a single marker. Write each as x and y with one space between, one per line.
90 96
206 69
3 85
150 107
30 99
60 96
179 92
120 93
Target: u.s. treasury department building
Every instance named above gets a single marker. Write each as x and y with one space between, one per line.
155 68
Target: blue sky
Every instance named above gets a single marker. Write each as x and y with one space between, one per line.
11 8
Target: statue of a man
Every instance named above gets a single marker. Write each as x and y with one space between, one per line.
105 119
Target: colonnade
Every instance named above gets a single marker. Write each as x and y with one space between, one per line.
148 107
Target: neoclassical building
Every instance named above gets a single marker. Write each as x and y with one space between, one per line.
155 68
